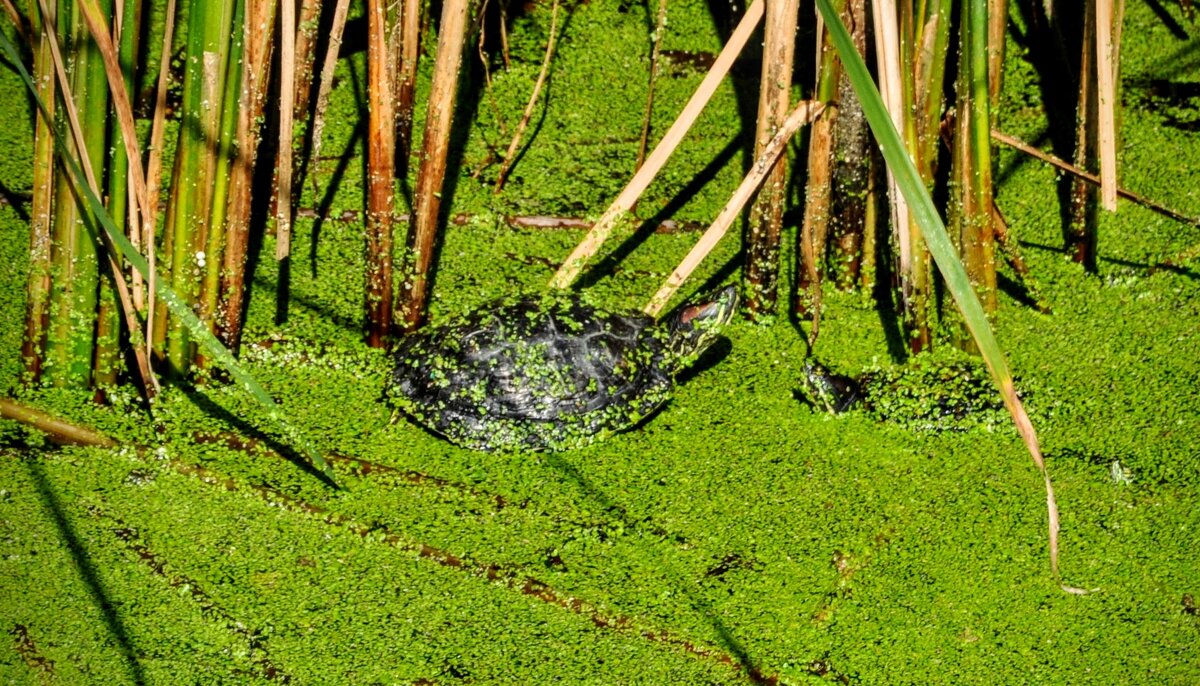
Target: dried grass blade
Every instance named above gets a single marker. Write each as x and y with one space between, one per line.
511 155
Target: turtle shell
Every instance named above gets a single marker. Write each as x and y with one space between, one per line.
534 374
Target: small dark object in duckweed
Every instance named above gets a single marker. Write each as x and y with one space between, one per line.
548 374
929 393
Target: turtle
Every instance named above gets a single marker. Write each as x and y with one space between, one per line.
548 373
943 392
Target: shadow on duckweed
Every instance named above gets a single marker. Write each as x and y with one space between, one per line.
87 571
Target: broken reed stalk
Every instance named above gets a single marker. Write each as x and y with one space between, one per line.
766 214
803 113
439 118
511 156
307 23
573 265
381 174
325 85
660 29
1106 58
38 284
255 67
406 76
58 430
283 160
1092 178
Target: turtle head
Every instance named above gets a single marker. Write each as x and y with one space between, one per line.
695 326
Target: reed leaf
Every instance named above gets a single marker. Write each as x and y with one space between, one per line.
177 306
938 242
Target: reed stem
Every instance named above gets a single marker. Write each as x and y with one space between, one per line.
766 214
435 146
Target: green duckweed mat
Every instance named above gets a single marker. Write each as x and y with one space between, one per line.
737 537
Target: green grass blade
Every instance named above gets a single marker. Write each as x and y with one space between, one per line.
177 306
940 247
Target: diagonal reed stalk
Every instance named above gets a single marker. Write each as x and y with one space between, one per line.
325 87
179 308
957 282
511 156
573 265
802 114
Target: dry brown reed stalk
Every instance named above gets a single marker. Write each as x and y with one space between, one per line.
283 161
406 75
853 164
307 23
573 265
814 228
660 29
381 161
766 214
887 51
1091 178
803 113
435 146
120 102
256 68
149 382
1106 58
340 11
511 156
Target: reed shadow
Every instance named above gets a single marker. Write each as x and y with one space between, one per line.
87 571
245 429
17 201
571 475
